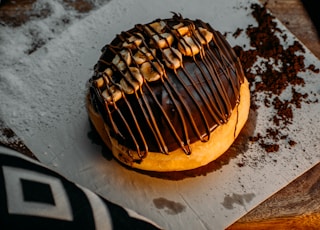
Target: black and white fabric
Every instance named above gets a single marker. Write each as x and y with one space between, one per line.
35 197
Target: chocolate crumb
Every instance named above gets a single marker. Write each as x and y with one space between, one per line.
269 148
279 68
237 32
10 140
313 68
292 143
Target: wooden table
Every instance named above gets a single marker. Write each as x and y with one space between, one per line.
297 205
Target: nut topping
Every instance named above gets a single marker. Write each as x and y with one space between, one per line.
133 42
127 87
108 72
151 72
182 30
172 57
144 55
100 82
188 46
203 35
132 80
119 63
134 73
163 40
111 94
141 55
156 27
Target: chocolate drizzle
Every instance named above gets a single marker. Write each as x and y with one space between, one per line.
193 86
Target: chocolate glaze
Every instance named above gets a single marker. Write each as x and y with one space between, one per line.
184 106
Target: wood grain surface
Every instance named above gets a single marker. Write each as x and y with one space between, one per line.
297 205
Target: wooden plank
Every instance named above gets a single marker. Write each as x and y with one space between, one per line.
307 221
16 13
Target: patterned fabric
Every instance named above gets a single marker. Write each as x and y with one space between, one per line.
35 197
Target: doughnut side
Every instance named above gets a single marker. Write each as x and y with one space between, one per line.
202 153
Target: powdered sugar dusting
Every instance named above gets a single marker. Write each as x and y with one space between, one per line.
22 100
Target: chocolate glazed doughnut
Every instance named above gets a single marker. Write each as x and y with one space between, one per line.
168 95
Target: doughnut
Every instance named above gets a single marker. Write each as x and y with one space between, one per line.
169 95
